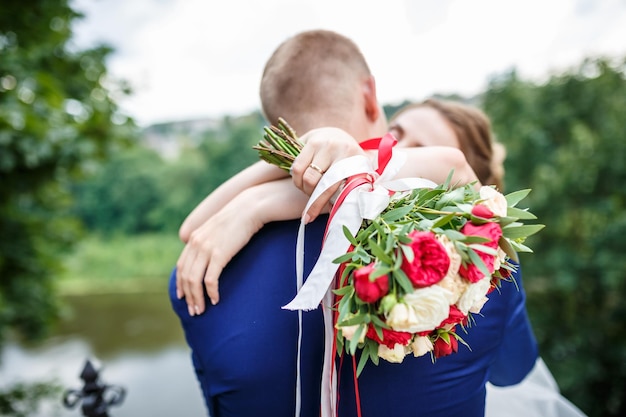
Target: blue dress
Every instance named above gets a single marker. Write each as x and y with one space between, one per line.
244 348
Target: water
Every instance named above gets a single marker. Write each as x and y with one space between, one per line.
136 340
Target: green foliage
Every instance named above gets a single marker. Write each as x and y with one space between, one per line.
120 262
233 152
24 399
121 195
138 191
565 140
56 117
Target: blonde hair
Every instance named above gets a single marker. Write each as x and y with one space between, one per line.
473 131
310 79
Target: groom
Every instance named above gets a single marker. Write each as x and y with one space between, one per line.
244 348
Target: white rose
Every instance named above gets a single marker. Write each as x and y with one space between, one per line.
455 285
452 282
499 259
455 257
349 331
478 305
395 355
421 346
474 295
401 317
430 306
494 200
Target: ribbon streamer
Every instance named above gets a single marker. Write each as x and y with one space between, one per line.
365 195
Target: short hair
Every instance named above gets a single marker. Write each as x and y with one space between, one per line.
310 79
472 128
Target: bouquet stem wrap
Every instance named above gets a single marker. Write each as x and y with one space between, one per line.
364 196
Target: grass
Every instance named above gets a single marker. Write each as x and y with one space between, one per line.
120 263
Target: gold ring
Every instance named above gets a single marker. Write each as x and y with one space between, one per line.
318 169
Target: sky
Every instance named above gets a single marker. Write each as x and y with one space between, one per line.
190 59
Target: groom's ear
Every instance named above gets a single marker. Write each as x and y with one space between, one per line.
372 109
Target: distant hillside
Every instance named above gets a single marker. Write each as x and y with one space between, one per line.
169 138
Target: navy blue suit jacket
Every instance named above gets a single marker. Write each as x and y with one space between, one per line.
244 348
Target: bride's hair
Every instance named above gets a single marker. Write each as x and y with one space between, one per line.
473 131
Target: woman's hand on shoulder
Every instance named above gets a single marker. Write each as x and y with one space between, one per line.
323 147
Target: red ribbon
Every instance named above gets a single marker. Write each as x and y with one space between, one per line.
384 146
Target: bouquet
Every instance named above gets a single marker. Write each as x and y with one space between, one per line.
421 268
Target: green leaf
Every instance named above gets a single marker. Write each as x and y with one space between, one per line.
485 249
515 197
344 258
349 236
475 258
397 213
344 290
518 213
403 281
443 220
344 307
407 253
378 322
505 245
354 342
520 247
363 360
517 232
380 270
379 253
373 346
454 234
476 239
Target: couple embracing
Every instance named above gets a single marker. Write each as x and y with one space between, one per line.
244 346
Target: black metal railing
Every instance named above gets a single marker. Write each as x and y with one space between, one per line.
95 397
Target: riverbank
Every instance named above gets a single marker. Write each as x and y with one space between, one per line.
119 264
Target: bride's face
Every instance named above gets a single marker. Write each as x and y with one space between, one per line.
423 126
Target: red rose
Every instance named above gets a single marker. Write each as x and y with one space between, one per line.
441 347
480 210
368 290
456 316
491 231
390 337
430 263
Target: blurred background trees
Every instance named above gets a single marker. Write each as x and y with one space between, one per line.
57 117
73 169
566 139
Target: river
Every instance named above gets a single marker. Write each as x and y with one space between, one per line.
136 342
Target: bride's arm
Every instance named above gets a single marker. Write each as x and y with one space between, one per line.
213 244
434 163
255 174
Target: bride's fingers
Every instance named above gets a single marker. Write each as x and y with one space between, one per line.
195 289
179 270
211 280
300 166
312 176
321 203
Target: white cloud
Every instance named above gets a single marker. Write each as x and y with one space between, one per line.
195 58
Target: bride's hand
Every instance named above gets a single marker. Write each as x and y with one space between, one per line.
210 247
219 239
322 148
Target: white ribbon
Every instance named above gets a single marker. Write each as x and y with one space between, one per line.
364 202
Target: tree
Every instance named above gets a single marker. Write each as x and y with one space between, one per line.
565 140
57 116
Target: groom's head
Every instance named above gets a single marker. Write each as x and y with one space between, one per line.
320 78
